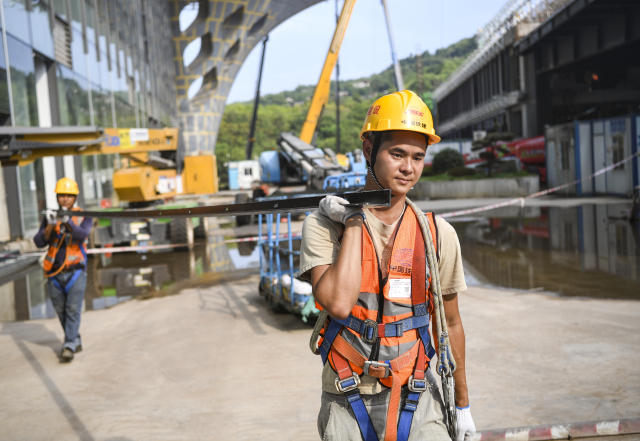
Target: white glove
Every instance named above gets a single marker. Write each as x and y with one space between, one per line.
335 208
64 219
51 217
466 427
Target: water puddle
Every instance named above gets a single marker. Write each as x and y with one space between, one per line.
587 251
112 279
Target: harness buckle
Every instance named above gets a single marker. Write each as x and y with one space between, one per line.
370 327
348 383
376 364
416 385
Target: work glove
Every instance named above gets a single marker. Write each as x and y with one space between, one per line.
51 217
335 208
64 218
466 427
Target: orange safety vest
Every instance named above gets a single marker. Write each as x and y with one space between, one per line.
75 251
390 342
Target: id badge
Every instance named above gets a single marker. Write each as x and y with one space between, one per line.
399 288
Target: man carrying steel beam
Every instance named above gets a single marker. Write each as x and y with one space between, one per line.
65 263
379 274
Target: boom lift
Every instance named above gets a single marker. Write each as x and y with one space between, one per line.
297 161
152 172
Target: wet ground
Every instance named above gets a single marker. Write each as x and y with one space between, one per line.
585 251
579 251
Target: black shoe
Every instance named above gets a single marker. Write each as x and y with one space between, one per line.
66 355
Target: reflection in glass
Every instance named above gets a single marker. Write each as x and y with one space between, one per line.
73 98
41 28
23 85
91 26
77 54
32 195
5 110
101 107
76 15
16 19
94 66
88 181
60 8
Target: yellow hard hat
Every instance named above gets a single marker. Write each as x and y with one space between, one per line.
400 111
67 186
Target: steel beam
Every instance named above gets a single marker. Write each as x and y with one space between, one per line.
377 198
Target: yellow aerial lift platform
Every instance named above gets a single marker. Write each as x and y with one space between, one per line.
147 175
152 172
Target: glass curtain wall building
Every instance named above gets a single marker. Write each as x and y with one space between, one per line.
108 63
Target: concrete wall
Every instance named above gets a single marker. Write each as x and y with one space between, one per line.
476 188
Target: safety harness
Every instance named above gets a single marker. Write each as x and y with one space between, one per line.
344 357
75 254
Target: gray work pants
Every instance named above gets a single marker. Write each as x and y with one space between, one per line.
336 420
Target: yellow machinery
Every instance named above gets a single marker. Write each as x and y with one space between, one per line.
146 175
321 94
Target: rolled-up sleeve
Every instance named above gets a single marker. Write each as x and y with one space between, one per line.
450 264
320 243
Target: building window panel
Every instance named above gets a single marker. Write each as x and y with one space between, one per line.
76 15
23 87
16 18
73 98
60 8
565 151
617 147
94 66
32 195
41 32
77 54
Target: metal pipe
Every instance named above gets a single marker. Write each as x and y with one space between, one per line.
396 62
256 103
360 199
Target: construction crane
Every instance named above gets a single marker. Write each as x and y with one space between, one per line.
297 161
152 172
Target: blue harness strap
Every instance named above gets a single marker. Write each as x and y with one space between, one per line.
76 274
362 416
329 336
406 416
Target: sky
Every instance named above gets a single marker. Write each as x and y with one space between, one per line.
297 48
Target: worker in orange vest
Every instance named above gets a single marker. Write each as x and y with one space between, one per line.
65 262
381 274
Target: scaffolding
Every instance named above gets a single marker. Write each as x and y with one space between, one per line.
489 37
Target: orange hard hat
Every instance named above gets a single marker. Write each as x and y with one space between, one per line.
67 186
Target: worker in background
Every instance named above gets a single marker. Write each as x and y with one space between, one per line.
65 263
367 268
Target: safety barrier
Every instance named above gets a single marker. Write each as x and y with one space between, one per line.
589 429
522 200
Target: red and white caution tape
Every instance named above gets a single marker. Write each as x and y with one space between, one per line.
109 250
255 238
563 431
522 200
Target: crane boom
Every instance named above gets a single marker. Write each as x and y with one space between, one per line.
321 94
396 64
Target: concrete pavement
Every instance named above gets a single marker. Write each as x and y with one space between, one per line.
214 363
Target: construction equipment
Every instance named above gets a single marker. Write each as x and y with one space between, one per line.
396 63
152 171
297 161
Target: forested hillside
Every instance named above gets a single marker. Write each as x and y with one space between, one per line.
286 111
